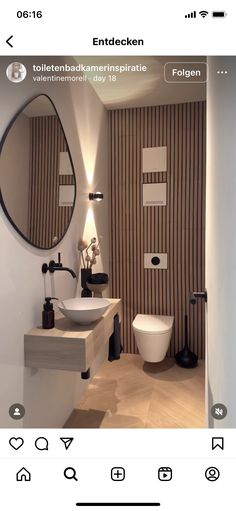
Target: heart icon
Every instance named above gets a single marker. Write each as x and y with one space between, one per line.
16 443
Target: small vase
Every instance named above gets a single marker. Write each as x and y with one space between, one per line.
85 274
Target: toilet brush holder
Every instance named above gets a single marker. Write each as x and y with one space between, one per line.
186 358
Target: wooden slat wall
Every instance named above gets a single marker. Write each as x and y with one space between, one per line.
178 228
46 219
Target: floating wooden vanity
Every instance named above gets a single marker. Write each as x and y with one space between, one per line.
69 346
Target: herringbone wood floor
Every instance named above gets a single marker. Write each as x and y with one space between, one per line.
132 394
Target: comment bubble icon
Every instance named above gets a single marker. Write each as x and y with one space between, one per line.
41 443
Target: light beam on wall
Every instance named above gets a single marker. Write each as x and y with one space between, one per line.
90 231
89 114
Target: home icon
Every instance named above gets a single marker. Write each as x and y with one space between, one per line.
23 475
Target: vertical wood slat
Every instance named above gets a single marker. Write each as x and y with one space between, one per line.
46 218
178 228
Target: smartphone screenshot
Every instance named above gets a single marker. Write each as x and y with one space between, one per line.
117 256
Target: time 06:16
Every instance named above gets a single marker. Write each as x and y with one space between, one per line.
29 14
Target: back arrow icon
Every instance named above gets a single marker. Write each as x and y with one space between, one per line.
8 41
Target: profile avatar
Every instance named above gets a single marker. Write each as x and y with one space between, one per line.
16 72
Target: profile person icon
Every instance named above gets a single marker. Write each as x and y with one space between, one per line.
16 72
16 412
212 474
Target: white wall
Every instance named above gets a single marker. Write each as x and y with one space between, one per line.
221 237
48 396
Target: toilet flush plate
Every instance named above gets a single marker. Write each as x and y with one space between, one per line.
155 261
154 194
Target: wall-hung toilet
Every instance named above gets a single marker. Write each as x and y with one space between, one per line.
152 335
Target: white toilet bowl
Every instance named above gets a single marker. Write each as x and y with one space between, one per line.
152 335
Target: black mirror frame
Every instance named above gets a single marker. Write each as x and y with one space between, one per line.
72 166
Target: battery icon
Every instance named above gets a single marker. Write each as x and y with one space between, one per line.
219 14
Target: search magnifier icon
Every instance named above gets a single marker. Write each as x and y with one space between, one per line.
70 473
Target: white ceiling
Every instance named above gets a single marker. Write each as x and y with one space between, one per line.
138 89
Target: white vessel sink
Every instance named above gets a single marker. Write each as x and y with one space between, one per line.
84 310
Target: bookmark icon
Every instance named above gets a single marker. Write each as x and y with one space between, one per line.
217 442
67 441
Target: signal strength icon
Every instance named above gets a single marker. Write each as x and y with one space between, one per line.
191 15
203 14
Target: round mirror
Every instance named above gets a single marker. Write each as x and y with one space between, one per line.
37 179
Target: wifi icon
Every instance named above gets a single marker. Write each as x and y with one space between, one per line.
203 14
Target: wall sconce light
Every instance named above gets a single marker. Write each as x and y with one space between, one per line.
97 196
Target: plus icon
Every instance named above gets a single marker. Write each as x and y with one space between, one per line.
117 474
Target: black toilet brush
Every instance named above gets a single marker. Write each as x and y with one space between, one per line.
186 358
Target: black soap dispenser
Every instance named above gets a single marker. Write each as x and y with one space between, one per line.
48 316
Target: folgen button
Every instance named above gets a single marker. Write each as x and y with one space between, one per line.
184 72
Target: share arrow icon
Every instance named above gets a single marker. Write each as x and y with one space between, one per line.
67 442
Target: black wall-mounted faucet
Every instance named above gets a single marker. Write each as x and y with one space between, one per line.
196 295
53 266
